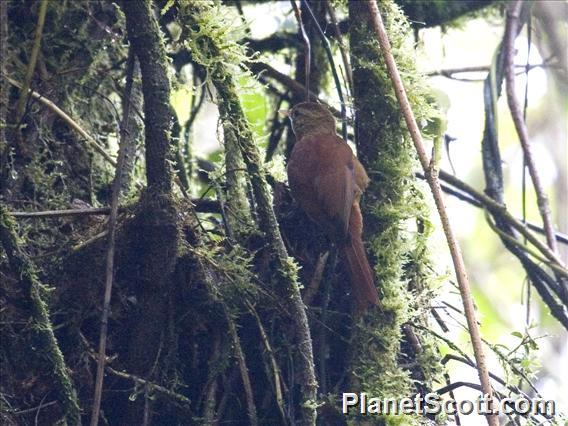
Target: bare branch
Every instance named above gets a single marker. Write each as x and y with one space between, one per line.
239 354
72 123
307 47
33 59
512 22
432 178
500 209
344 57
201 206
449 72
296 88
109 271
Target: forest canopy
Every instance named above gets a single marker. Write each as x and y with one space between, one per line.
158 265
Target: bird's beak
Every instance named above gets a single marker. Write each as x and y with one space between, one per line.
284 112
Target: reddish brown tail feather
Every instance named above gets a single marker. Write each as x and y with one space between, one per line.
362 282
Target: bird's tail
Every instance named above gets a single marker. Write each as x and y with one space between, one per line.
362 282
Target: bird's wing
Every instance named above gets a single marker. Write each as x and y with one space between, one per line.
335 189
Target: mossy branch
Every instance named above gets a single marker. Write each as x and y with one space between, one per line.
158 232
144 34
230 109
238 209
42 336
208 50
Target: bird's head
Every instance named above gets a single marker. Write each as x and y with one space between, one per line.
309 118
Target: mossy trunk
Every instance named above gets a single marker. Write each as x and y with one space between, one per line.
156 221
237 214
390 203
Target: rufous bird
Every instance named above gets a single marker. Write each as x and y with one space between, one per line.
327 181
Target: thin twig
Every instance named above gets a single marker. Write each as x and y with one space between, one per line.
512 388
526 249
465 196
187 126
432 178
33 60
62 213
329 53
72 123
512 21
439 320
307 47
180 399
524 174
315 282
295 87
33 409
274 365
344 57
201 206
239 354
116 187
276 130
449 72
497 208
89 241
453 396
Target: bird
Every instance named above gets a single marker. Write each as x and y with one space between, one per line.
326 180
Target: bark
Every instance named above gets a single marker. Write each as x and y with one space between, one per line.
144 34
157 218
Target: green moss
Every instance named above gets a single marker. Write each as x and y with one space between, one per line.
234 268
